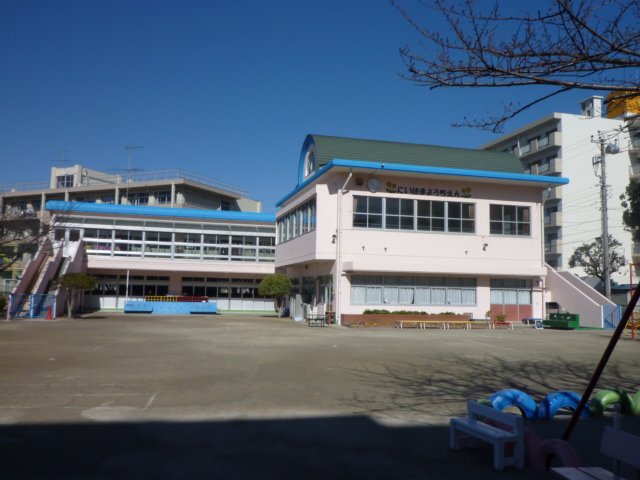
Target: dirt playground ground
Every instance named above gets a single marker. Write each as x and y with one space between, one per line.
113 396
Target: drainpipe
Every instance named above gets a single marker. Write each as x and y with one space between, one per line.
542 243
339 265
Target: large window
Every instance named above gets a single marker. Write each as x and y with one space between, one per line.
297 222
510 220
401 290
413 215
141 198
64 181
164 196
183 241
510 291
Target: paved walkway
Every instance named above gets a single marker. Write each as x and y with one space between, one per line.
112 396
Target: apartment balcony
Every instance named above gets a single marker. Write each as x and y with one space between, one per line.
537 145
553 247
634 144
634 171
553 220
552 167
635 256
555 193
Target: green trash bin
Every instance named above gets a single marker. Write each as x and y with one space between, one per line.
567 321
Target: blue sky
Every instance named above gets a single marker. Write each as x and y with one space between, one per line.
224 89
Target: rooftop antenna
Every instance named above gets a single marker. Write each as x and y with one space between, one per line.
63 160
128 170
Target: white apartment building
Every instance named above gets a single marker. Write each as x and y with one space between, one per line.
565 144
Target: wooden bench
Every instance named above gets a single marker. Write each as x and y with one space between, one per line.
473 427
317 320
423 323
446 324
623 447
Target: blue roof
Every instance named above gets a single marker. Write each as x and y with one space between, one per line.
109 208
542 180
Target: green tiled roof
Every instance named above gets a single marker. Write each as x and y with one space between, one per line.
330 148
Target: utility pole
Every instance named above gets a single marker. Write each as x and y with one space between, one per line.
605 148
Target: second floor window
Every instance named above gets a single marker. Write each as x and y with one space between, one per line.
509 220
139 198
164 196
414 215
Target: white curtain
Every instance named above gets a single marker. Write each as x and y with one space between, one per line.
391 295
510 297
374 295
406 296
496 297
454 296
468 297
358 295
438 296
524 297
423 296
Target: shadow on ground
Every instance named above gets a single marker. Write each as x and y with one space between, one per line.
439 389
310 448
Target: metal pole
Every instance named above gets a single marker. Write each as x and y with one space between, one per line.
606 273
338 287
603 362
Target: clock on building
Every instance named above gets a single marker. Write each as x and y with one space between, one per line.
373 185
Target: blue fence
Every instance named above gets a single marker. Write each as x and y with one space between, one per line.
23 305
611 315
172 308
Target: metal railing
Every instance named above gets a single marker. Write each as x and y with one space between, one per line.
24 187
132 177
175 174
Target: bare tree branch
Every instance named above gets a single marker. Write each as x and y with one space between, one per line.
572 45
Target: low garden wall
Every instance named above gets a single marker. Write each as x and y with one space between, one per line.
393 319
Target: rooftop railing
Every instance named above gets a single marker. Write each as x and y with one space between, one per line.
131 177
24 187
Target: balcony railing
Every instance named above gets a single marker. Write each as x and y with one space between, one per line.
133 177
553 247
554 139
553 219
24 187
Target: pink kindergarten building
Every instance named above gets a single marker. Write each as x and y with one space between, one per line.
384 225
370 225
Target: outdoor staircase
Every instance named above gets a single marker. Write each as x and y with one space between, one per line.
576 296
35 289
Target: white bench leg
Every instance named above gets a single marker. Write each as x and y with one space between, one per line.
498 456
519 453
454 440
